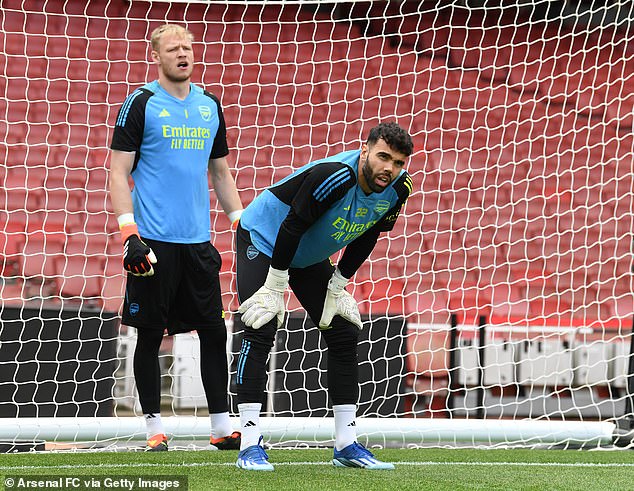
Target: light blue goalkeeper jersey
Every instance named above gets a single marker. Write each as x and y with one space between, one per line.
314 191
173 140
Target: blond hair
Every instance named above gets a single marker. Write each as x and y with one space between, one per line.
168 29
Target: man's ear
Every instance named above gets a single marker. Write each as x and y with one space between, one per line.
364 151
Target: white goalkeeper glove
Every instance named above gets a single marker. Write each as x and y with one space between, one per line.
339 302
267 302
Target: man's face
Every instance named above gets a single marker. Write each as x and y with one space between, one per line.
380 165
175 57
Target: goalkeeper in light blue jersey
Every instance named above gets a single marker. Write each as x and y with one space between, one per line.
169 135
285 237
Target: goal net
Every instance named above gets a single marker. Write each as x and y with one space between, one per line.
497 312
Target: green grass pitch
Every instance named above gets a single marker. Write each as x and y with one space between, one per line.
310 469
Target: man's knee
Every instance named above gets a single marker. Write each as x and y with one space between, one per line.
265 336
342 337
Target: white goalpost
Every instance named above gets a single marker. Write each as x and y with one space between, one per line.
297 430
499 310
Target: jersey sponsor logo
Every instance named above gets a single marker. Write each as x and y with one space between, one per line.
164 114
205 112
347 231
186 137
185 131
252 253
382 206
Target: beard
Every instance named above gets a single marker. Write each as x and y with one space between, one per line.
177 76
369 178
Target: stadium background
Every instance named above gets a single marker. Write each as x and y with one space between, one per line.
521 216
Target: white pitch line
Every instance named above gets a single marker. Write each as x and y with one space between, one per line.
231 464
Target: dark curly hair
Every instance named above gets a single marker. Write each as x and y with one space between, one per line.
396 137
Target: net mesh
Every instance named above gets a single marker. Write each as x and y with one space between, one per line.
504 290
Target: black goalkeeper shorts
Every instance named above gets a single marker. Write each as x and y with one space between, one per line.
182 295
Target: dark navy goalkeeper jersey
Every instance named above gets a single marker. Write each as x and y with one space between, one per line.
173 140
324 194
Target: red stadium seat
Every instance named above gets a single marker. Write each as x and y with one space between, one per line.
59 221
508 302
81 278
476 45
429 306
39 261
10 248
384 297
62 199
86 245
21 198
623 306
470 303
16 154
98 201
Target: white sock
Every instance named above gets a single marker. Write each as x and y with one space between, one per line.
345 425
249 423
220 425
153 424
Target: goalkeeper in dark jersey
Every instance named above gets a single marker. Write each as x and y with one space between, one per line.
286 237
169 135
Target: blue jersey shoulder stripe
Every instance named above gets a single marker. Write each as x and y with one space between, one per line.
330 178
125 109
330 184
324 194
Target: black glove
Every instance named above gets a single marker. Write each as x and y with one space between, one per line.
138 258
